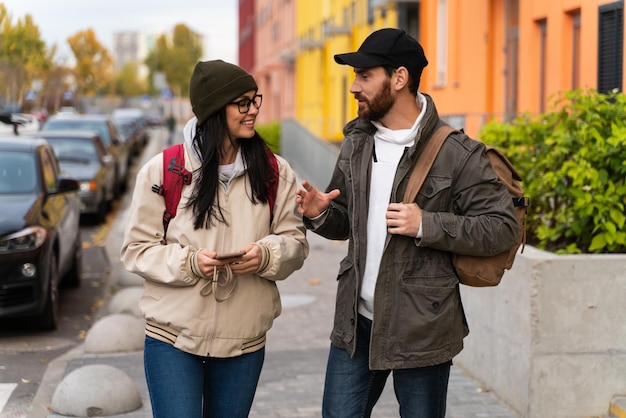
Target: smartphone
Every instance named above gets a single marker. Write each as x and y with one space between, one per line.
230 255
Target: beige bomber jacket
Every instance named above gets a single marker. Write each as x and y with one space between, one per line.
172 303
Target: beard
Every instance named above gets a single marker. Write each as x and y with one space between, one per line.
380 104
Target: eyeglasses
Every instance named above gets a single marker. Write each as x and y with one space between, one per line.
244 104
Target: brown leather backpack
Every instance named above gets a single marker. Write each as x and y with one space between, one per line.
473 270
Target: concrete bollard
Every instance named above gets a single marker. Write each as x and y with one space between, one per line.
126 301
96 391
116 333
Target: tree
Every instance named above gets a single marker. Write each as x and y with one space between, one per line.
128 81
23 55
94 65
175 56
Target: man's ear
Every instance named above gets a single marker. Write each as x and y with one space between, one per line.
401 78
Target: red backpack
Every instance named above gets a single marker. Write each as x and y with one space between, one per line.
175 176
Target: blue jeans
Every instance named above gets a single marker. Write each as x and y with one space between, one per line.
182 384
352 389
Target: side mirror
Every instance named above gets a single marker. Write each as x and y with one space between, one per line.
108 159
67 185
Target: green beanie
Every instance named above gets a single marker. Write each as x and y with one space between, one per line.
214 84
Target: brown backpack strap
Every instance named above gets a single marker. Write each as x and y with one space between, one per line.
425 162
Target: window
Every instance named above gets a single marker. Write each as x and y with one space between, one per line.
575 18
442 42
610 46
50 170
408 18
543 34
511 22
18 173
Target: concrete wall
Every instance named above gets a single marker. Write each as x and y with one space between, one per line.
550 340
313 160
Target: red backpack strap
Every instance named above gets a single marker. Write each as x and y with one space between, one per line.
272 182
175 176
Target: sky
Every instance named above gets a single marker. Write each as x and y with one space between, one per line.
57 20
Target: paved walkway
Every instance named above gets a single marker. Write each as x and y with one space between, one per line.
293 375
292 379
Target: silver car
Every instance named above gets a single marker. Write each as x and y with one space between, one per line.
83 156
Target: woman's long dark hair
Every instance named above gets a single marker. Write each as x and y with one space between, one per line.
208 141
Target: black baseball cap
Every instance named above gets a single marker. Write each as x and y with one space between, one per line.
389 46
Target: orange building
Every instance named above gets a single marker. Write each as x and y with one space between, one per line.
501 58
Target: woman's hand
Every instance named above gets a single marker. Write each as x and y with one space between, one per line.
244 264
206 262
247 263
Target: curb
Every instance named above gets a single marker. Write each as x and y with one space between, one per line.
618 407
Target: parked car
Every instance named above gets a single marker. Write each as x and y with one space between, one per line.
18 123
107 131
131 134
40 241
128 113
139 119
83 156
155 119
67 111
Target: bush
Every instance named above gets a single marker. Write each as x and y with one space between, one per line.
271 134
573 162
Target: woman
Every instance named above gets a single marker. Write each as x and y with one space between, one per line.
206 315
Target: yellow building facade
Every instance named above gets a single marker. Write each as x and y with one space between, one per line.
325 28
487 58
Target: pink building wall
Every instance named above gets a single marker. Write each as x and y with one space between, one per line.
274 66
247 34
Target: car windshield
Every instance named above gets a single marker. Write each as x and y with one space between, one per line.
99 126
126 128
18 172
74 149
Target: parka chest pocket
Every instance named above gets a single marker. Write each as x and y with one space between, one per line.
434 195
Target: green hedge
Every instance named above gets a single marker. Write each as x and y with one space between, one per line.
573 162
271 133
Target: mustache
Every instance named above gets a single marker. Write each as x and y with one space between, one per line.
360 98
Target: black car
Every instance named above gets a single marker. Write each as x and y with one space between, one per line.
139 120
131 133
40 241
83 156
103 125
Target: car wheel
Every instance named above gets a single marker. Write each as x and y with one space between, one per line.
103 209
72 278
117 188
49 318
123 188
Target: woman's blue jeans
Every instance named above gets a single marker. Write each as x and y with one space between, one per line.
182 384
352 389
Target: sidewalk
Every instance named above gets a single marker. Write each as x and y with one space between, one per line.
292 379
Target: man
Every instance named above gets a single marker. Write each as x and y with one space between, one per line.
398 305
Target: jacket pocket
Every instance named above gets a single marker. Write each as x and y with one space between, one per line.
427 315
435 193
345 320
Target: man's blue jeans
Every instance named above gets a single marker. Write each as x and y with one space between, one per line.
352 389
177 382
